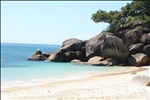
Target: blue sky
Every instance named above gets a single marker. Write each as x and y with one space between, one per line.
51 22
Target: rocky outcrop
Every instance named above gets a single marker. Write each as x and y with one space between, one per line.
138 59
131 34
37 55
93 45
71 49
113 47
129 45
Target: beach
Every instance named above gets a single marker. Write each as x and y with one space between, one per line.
112 85
75 50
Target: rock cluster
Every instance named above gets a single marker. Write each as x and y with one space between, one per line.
128 46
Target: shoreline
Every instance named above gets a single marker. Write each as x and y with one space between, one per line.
80 88
64 77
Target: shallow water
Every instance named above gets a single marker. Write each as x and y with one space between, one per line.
17 70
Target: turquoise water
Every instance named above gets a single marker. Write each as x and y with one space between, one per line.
17 70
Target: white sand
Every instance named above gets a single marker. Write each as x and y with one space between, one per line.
114 85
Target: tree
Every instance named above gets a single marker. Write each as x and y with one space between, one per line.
134 11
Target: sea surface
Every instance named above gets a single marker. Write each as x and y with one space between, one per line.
17 70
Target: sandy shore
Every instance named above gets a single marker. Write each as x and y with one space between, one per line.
112 85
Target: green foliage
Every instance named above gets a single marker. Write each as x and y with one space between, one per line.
135 11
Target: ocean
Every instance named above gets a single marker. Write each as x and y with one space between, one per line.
17 70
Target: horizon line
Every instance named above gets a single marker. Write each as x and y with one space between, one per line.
28 43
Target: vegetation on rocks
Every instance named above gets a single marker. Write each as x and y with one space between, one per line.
133 12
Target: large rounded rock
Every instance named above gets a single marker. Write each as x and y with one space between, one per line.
114 47
72 44
37 55
145 38
100 61
106 62
136 48
138 59
58 56
93 45
146 49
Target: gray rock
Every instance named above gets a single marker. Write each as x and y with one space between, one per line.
72 44
93 45
37 55
136 48
132 33
100 61
146 49
107 62
70 55
114 47
47 54
81 56
145 39
57 56
130 36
